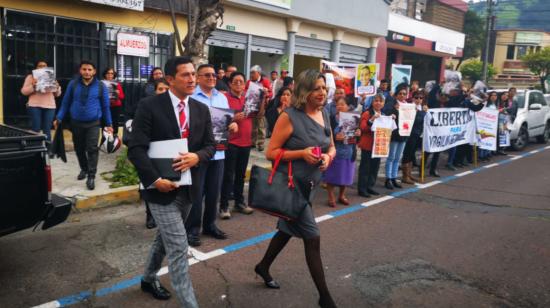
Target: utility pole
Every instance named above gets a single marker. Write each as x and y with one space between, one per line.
488 27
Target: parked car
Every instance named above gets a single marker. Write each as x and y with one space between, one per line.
26 196
531 114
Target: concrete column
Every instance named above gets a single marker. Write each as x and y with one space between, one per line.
292 27
291 50
337 36
371 57
248 57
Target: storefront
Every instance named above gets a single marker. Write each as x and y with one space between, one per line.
65 32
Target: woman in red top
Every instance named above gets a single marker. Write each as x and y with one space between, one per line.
368 168
116 95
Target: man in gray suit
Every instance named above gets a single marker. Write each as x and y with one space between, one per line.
168 116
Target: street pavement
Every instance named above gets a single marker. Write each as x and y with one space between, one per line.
478 237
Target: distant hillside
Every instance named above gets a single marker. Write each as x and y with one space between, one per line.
518 14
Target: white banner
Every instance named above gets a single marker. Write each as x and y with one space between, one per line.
407 113
132 44
382 128
445 128
487 125
136 5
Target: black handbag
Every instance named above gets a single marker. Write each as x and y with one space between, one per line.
274 192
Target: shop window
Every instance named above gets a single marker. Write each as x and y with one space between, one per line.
510 52
521 51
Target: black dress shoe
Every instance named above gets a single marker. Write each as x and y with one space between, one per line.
215 232
150 222
372 192
434 173
396 184
156 289
193 239
268 281
82 175
90 183
363 194
388 184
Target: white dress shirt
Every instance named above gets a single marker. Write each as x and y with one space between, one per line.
175 102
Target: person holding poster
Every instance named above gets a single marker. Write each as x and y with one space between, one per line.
409 154
487 127
369 165
398 140
342 170
41 105
365 79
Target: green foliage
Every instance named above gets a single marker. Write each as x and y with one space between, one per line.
539 63
124 174
473 70
474 29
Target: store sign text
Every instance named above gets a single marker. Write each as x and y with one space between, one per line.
126 4
132 45
440 47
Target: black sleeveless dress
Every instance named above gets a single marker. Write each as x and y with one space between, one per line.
306 133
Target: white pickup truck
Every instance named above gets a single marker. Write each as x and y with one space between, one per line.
532 118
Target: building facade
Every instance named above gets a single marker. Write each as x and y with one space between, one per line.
297 34
424 34
64 32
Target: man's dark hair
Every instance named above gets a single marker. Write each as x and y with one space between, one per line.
384 81
274 72
287 81
171 66
86 62
202 66
400 87
235 74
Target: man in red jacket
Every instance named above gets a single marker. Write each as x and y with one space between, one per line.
258 129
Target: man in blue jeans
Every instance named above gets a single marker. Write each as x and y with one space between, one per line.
87 102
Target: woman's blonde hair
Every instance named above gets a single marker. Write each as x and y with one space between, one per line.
305 85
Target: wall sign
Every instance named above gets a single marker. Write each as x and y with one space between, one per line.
132 44
400 38
280 3
444 48
126 4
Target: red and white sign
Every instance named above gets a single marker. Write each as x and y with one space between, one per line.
132 45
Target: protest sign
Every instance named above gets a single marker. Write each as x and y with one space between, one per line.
365 79
445 128
400 73
253 99
486 123
343 73
452 81
504 128
45 80
221 118
349 123
407 113
111 88
382 128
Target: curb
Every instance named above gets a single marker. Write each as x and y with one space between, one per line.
117 196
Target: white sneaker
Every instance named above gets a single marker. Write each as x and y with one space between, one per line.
224 214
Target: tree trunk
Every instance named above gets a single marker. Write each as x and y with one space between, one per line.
459 63
543 83
203 20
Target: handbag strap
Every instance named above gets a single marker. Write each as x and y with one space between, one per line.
276 165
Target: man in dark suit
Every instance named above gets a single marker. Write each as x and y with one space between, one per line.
168 116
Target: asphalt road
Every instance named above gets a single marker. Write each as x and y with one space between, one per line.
479 239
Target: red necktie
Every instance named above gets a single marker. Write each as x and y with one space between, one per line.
184 127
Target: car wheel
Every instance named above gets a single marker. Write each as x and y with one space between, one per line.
522 140
545 135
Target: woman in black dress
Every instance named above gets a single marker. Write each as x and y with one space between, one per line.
299 131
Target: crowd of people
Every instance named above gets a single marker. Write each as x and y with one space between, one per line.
298 118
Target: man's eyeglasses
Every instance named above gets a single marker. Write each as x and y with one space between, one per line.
237 82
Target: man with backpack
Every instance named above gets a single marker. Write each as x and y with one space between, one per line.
86 102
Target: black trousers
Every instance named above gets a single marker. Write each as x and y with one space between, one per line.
115 115
434 161
410 149
464 151
85 140
210 175
236 161
368 172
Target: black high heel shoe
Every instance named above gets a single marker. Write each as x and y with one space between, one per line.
326 303
268 281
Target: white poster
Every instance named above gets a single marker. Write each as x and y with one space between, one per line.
445 128
365 79
400 73
132 44
382 128
45 80
136 5
407 113
487 126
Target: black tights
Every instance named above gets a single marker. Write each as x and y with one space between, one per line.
312 249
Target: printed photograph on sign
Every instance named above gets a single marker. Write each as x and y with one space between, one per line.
344 74
45 79
382 127
365 79
111 88
253 99
400 74
487 127
348 123
221 118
